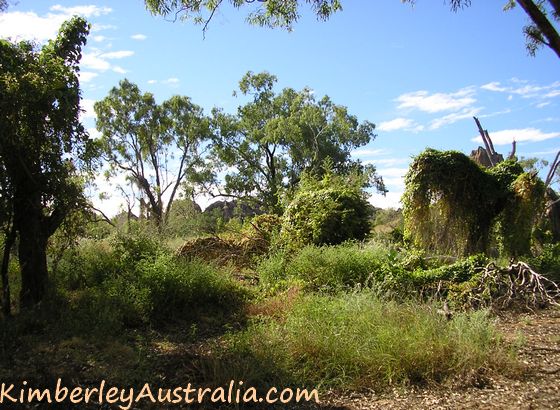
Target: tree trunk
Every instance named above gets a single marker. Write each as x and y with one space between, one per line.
6 297
32 257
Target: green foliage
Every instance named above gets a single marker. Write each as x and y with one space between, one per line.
43 145
446 206
357 341
547 263
516 223
461 271
156 145
135 280
265 226
330 211
273 13
331 268
452 205
185 219
275 137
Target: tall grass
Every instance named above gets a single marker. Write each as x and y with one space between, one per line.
357 340
327 267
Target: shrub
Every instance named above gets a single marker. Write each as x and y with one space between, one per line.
88 264
135 280
461 271
330 211
179 289
548 262
327 267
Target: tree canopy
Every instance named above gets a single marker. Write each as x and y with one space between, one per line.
271 13
276 136
43 144
156 145
541 31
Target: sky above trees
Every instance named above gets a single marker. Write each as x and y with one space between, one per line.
419 73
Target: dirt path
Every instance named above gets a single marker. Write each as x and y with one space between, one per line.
539 389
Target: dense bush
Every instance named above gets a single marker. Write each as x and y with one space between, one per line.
135 280
330 211
453 206
460 271
324 267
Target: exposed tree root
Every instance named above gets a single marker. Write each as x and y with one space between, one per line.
500 288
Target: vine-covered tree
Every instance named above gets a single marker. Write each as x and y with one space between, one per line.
542 30
156 145
276 136
453 206
42 144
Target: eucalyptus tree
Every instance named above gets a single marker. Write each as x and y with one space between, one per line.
43 145
542 30
275 137
157 146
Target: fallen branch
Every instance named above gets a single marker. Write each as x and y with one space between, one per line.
518 283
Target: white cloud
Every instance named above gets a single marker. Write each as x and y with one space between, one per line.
99 39
139 37
98 61
119 70
88 11
152 81
172 80
117 54
453 118
542 104
390 200
438 102
506 137
87 76
93 61
552 94
31 26
392 172
524 89
387 162
364 152
494 86
397 124
100 27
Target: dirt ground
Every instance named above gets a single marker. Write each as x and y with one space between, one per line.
539 388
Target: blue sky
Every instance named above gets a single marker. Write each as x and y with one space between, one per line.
419 73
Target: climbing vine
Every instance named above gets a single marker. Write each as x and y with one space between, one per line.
453 206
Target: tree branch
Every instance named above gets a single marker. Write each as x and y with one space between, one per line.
543 24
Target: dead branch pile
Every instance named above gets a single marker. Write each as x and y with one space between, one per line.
517 285
237 252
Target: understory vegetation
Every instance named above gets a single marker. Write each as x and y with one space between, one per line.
361 314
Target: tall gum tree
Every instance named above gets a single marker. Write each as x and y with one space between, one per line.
275 137
42 144
158 146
